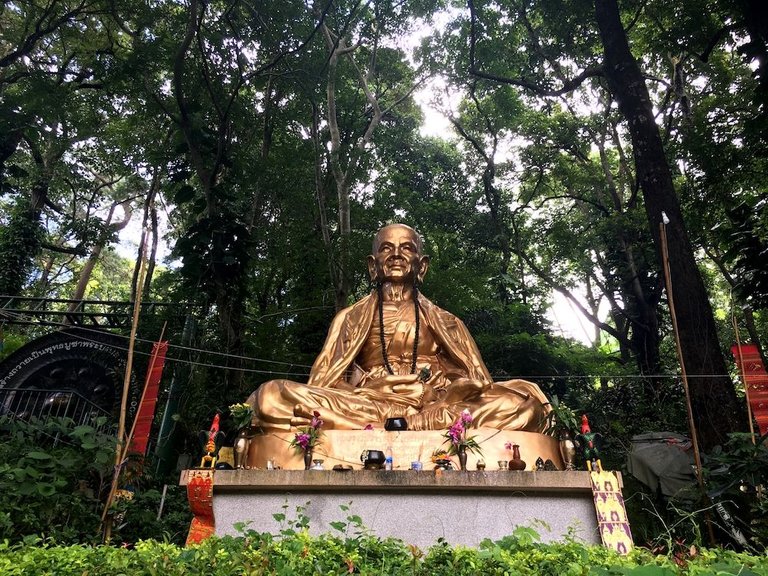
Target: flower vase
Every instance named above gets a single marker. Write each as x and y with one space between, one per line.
461 452
240 449
307 458
516 463
567 450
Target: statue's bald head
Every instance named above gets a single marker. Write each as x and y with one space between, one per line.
385 229
397 256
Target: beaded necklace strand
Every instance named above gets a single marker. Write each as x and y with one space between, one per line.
384 357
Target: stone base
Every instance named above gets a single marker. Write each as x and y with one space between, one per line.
345 446
417 507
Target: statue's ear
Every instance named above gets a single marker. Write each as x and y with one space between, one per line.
372 267
423 267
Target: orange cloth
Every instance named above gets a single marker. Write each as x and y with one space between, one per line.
755 382
200 497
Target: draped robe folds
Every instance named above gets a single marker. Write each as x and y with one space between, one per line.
341 372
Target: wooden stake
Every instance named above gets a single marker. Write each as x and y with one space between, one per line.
121 441
683 373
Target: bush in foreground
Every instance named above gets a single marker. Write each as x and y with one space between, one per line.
299 554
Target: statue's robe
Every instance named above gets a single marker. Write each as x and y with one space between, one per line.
338 384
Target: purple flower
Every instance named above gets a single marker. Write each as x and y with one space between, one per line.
466 417
303 439
508 445
307 437
456 432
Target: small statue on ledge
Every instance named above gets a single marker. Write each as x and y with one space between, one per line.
211 441
394 354
588 442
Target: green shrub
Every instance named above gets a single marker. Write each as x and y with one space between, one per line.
54 478
140 521
52 474
296 553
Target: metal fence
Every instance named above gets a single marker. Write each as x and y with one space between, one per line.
31 404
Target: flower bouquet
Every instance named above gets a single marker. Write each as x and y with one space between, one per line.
561 421
242 414
441 459
307 438
459 442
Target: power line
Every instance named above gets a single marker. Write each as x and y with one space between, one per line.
174 346
497 378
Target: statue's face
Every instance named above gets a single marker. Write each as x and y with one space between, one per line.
397 255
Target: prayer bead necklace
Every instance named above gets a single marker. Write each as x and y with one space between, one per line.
384 357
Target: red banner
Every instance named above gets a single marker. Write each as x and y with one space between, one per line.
200 497
755 382
146 413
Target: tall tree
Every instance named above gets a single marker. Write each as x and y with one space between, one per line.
713 396
541 71
367 82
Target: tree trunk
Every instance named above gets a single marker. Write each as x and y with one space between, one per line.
90 264
715 406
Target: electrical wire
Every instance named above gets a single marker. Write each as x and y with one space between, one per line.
498 377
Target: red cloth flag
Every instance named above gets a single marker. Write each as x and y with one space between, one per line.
146 413
755 382
200 498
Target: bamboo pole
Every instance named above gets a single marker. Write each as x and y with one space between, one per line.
121 441
740 356
683 372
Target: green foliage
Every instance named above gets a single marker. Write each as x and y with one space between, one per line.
141 520
300 554
10 342
738 472
52 475
561 419
20 239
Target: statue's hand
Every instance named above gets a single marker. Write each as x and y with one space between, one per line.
463 390
391 383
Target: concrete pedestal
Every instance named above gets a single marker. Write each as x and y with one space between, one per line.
417 507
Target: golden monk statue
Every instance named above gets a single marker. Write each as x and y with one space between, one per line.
395 354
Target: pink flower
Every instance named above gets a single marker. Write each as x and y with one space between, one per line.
303 439
307 437
508 445
456 435
456 432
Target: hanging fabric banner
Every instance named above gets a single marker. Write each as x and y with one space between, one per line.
612 519
200 497
755 380
146 413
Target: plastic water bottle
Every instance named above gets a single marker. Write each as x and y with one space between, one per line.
388 460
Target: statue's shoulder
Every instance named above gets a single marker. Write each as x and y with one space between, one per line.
358 307
435 311
355 313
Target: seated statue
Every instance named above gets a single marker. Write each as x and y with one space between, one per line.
395 354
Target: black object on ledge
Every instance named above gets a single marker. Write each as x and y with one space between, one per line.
398 424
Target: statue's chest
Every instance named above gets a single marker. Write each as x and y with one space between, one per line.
399 336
